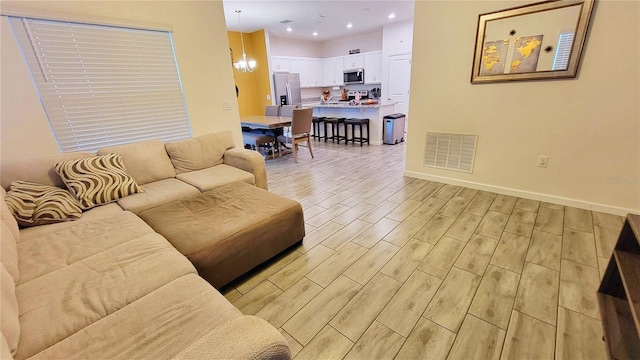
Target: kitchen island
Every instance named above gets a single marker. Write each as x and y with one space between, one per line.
374 112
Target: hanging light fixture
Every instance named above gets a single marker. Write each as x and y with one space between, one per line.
243 65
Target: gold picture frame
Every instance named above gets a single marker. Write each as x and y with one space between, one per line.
532 42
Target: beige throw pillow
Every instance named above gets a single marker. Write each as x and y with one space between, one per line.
97 180
35 204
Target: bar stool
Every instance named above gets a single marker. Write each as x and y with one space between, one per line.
335 129
316 122
353 122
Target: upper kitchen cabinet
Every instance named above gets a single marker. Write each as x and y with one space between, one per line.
280 63
332 71
310 70
317 70
355 61
373 67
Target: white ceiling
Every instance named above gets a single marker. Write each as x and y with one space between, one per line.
329 17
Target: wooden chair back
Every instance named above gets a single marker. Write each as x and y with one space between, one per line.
301 121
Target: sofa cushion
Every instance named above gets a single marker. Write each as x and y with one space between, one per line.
5 352
227 231
200 152
9 252
37 169
229 341
7 217
9 312
100 212
213 177
156 326
63 302
35 204
156 193
145 161
97 180
48 252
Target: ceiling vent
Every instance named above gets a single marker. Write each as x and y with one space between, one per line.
450 151
285 21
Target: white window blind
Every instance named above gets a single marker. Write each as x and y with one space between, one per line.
563 51
104 85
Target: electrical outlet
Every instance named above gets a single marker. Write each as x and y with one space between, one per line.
226 105
268 97
543 161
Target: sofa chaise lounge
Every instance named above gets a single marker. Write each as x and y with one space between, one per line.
109 286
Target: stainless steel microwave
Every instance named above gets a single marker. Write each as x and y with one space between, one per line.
354 76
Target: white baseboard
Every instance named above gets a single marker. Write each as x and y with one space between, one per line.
587 205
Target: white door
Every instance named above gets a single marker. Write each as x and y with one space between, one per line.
399 80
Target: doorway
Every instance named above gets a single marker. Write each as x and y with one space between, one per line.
399 83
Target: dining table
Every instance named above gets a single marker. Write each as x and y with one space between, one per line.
265 122
274 123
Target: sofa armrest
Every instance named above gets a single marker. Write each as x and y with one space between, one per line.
248 160
246 337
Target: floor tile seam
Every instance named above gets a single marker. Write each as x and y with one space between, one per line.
513 233
557 304
351 237
455 335
353 343
546 232
296 312
598 319
377 272
308 270
579 263
546 267
475 292
375 318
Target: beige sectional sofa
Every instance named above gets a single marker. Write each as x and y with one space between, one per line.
107 286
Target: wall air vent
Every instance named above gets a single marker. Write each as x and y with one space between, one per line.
450 151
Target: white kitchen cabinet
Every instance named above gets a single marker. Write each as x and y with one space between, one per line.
299 65
332 70
355 61
310 70
280 63
373 67
317 70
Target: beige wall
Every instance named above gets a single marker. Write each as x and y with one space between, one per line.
202 51
588 126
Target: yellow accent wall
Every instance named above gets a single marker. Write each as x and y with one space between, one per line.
202 51
588 126
253 86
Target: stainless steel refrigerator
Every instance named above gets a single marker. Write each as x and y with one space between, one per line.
287 88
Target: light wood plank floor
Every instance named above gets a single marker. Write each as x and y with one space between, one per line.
397 267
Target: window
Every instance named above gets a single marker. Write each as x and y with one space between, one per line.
563 51
104 85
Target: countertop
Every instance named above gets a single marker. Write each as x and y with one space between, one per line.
345 104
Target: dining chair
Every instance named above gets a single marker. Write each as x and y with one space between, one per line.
287 111
272 110
255 141
300 131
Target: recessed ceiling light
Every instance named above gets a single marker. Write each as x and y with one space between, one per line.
349 25
392 16
289 29
315 33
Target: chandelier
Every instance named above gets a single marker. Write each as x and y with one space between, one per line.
243 65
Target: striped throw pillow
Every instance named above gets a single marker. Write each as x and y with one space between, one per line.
97 180
35 204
